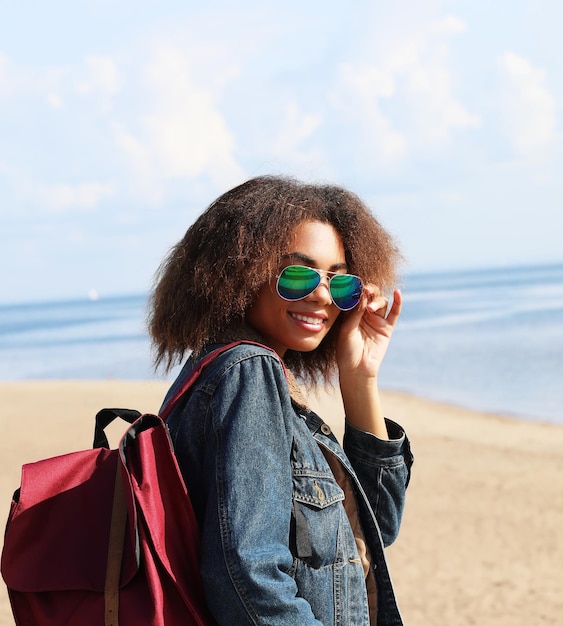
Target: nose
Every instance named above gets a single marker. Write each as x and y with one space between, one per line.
322 292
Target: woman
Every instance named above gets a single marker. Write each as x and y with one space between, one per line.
293 528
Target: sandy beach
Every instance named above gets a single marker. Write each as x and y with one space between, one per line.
481 538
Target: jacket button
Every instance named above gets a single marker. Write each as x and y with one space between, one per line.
320 494
325 429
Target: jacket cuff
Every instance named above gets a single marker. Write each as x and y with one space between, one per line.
369 445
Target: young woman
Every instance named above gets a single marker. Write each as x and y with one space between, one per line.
293 525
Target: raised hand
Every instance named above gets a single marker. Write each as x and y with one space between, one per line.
362 343
366 332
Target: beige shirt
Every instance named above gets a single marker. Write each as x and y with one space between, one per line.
351 508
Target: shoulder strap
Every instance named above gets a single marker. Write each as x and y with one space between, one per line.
194 374
115 550
119 510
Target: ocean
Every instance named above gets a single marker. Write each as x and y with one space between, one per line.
488 340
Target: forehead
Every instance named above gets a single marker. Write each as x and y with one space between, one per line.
320 242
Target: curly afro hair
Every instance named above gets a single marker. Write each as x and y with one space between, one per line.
210 278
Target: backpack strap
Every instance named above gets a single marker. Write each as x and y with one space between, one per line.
167 409
119 510
115 550
105 417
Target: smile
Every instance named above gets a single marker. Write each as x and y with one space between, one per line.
316 321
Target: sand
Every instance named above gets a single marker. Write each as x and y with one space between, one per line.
481 537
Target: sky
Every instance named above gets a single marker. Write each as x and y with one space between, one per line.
121 121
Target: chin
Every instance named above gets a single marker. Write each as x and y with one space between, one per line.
306 346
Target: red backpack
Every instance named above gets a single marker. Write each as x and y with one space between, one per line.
107 537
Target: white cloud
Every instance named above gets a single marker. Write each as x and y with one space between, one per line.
297 128
102 76
55 101
145 183
527 107
15 188
63 197
449 25
57 85
50 198
404 97
23 83
183 133
427 77
99 80
437 112
362 88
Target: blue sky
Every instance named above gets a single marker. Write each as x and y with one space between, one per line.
121 121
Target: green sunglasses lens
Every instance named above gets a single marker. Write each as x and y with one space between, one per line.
297 282
346 291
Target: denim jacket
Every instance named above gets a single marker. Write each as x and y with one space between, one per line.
277 547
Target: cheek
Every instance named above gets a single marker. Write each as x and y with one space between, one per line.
334 317
265 308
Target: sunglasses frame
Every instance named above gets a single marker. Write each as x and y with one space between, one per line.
330 275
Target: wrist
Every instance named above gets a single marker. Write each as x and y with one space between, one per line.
362 404
358 382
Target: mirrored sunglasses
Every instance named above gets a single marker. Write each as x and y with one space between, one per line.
299 281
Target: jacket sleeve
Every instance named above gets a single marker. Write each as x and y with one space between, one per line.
383 468
246 559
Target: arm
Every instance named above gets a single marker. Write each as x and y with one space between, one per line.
383 468
377 448
245 553
362 343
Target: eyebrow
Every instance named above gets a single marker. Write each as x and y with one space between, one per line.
307 260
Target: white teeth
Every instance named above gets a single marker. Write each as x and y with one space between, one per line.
308 320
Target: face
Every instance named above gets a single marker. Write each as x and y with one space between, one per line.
301 325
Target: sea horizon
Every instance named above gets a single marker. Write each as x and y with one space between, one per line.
488 339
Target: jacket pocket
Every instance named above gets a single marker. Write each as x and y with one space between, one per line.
317 518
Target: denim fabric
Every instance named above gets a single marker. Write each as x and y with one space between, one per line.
277 547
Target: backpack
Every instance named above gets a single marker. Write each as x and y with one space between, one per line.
106 537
